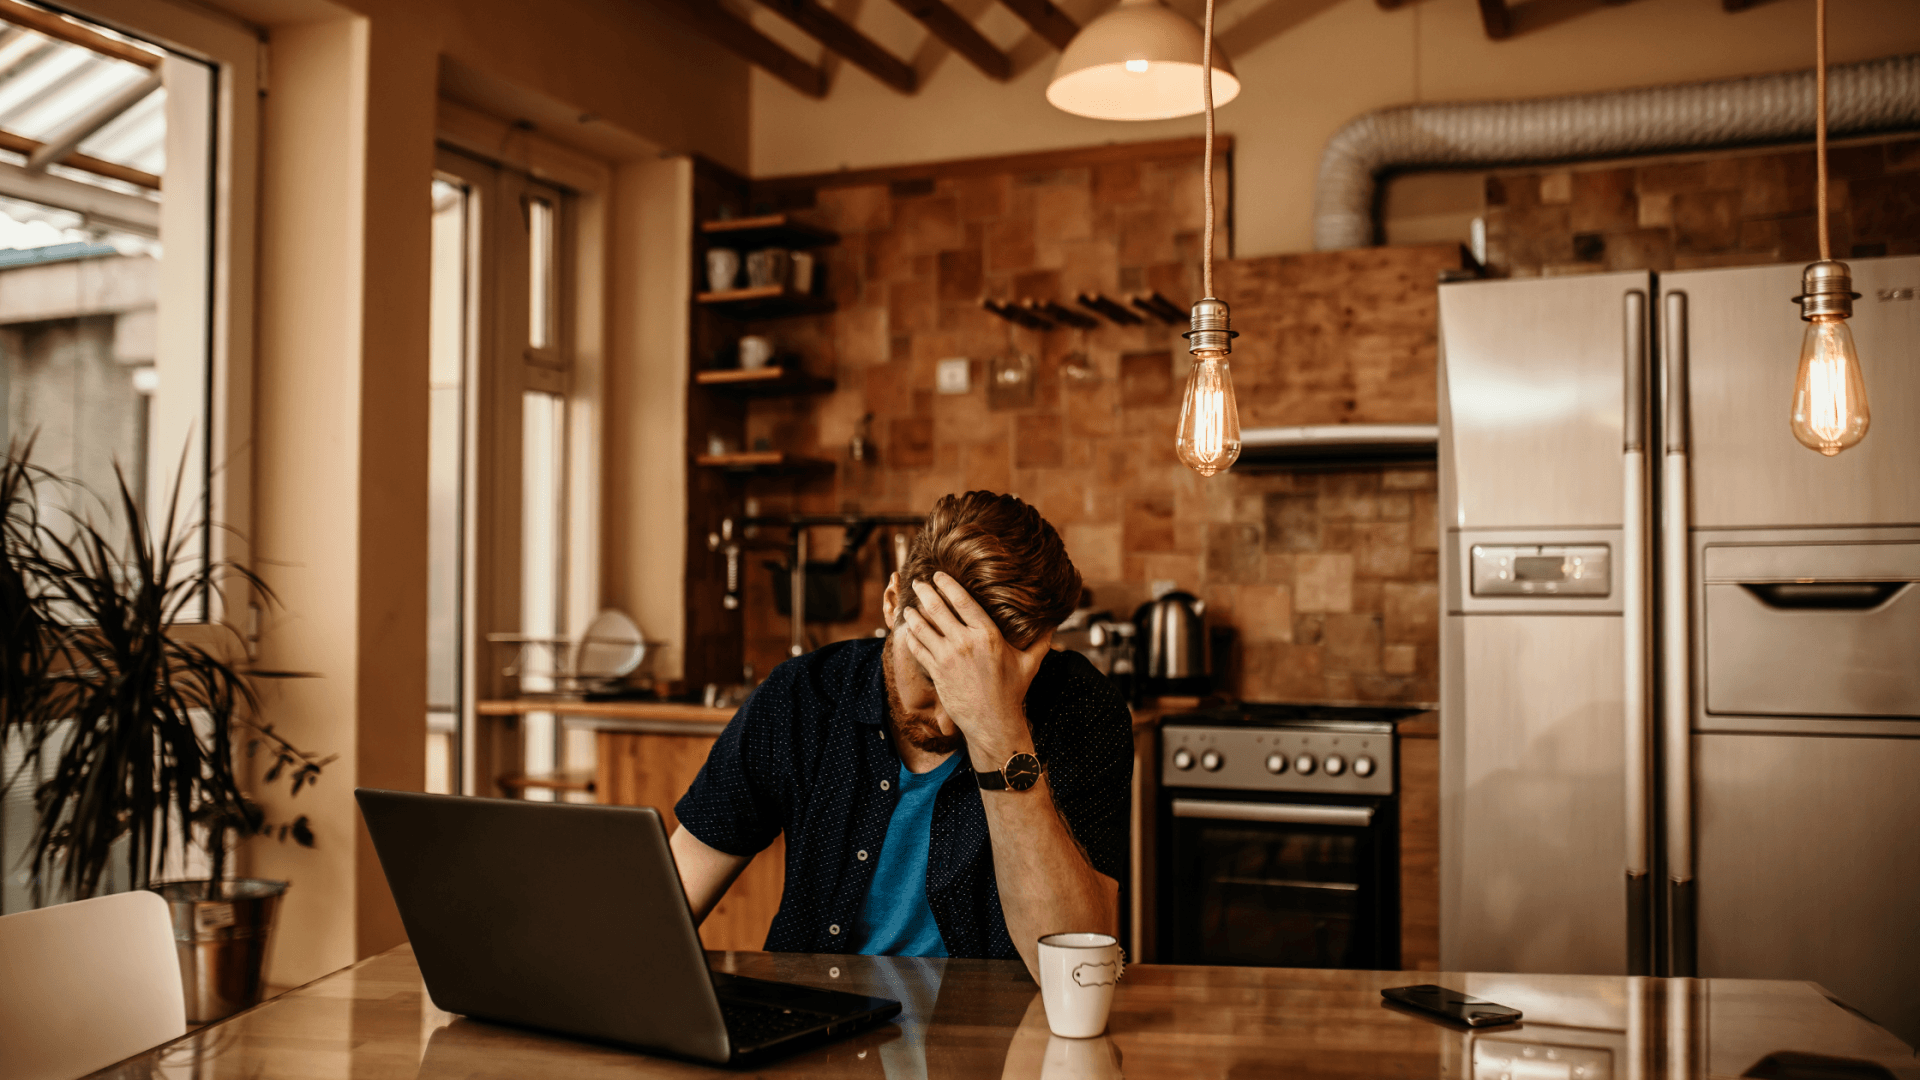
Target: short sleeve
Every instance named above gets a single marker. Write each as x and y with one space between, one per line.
1088 749
737 804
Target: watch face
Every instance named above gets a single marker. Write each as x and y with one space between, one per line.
1022 771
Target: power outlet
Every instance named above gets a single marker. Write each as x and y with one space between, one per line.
950 377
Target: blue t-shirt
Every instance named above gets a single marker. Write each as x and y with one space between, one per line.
895 919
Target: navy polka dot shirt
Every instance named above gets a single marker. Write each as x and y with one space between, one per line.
808 755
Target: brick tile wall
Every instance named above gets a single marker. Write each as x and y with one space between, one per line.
1724 209
1328 578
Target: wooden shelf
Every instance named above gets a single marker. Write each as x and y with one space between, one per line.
763 382
766 302
762 461
767 230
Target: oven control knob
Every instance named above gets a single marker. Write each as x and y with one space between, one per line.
1182 759
1211 761
1304 764
1336 764
1276 763
1363 766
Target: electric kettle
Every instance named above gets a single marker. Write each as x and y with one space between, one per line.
1172 637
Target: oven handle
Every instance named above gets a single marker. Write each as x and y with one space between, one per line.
1277 813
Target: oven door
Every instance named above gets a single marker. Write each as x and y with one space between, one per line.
1278 880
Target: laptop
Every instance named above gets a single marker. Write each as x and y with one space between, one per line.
570 918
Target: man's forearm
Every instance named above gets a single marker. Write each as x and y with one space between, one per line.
1046 884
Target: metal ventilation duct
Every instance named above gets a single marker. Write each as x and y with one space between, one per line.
1876 95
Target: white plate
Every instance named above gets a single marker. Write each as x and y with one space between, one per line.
611 647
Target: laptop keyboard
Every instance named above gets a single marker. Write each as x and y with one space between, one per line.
751 1024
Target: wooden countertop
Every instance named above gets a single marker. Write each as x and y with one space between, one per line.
983 1018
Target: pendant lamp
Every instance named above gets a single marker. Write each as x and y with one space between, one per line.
1140 61
1829 393
1208 439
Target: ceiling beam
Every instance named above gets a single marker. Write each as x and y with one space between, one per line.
1497 19
1048 21
756 48
20 144
74 32
850 44
953 29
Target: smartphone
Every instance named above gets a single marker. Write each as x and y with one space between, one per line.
1452 1005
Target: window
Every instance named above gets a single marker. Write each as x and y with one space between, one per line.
104 290
127 191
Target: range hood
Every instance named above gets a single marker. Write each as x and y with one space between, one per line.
1332 445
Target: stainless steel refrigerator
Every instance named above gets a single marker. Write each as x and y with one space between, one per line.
1680 653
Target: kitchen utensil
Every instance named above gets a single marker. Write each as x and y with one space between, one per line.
723 268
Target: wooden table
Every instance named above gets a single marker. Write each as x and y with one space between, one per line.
983 1018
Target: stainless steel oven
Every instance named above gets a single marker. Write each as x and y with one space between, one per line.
1278 837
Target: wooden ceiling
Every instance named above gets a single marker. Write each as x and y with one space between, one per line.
847 42
1501 18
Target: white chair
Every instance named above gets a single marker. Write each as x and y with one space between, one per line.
87 984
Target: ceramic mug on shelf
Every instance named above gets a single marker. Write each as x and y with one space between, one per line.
1077 975
768 266
755 352
723 268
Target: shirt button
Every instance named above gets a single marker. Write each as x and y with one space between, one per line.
886 785
834 929
862 856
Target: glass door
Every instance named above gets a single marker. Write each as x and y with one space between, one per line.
498 621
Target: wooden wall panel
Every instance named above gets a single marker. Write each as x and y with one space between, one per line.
655 770
1419 849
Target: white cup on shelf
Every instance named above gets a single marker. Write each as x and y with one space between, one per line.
723 267
1078 972
755 352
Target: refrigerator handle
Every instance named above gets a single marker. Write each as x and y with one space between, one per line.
1676 667
1634 559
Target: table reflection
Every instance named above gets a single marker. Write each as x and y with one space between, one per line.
1036 1052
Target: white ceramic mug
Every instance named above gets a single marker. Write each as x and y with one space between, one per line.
723 268
755 351
1077 975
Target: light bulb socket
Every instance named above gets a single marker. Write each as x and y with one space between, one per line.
1211 331
1826 288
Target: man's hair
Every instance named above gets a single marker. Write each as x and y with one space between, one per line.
1004 554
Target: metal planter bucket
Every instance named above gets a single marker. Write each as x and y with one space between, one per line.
222 942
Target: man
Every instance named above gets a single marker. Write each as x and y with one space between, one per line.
955 789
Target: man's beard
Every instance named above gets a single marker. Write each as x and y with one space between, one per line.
923 733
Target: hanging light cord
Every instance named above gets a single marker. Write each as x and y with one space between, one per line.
1206 169
1819 120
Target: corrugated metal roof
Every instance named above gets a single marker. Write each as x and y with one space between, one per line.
46 84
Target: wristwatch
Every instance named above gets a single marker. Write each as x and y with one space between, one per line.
1021 772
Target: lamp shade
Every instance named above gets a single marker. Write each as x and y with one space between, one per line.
1140 61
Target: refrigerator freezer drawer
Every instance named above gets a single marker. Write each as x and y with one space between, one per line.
1815 645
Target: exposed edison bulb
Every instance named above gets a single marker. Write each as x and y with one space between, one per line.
1829 393
1209 438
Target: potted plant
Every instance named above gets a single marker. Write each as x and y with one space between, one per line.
129 729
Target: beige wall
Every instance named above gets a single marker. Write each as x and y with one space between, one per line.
645 466
339 437
1307 67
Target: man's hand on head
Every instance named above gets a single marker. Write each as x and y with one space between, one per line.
982 680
